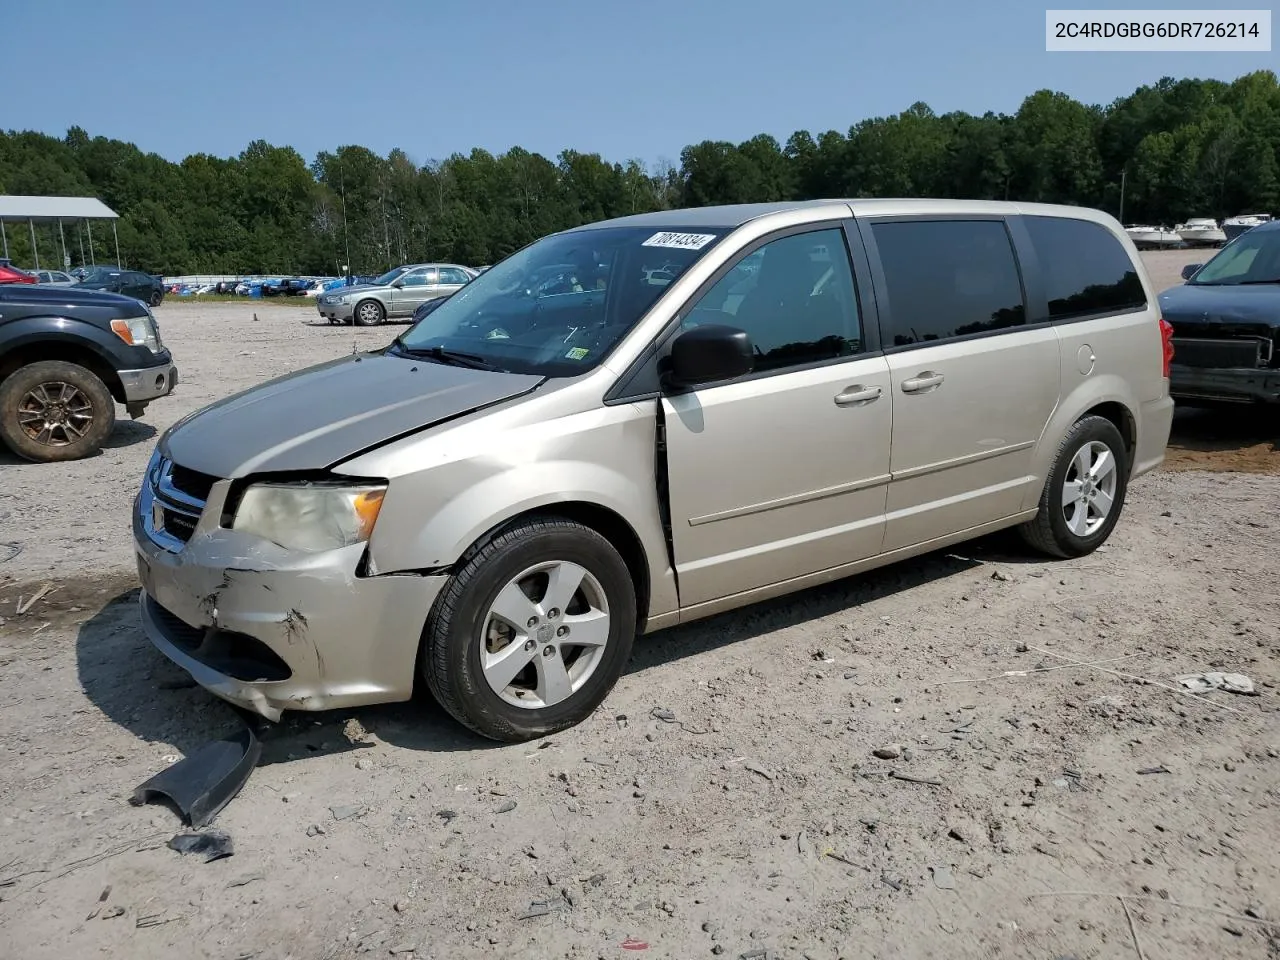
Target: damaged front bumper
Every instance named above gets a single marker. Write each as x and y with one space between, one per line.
270 629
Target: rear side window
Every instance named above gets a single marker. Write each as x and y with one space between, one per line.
948 278
1086 270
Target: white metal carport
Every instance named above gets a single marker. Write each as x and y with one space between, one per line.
57 210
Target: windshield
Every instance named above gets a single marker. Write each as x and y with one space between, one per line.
1253 257
101 275
559 306
389 277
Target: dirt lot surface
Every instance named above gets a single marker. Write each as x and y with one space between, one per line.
906 764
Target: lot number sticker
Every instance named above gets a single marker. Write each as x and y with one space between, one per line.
680 241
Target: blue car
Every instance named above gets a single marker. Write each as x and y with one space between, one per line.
1226 323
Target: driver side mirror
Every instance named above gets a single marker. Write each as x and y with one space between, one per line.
1189 270
397 284
709 354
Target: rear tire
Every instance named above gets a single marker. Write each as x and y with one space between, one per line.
369 313
486 614
156 298
70 397
1084 493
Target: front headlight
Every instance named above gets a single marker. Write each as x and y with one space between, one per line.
138 332
311 517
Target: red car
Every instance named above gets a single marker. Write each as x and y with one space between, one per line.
14 275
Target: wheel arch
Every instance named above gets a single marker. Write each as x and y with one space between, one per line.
605 521
67 351
1109 397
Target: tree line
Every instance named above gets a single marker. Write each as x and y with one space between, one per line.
1174 149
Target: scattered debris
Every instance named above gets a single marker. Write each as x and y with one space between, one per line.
621 721
910 779
153 920
1001 576
245 881
364 763
214 844
315 830
1231 682
1147 771
506 807
446 815
355 732
112 912
203 783
599 761
35 598
400 948
346 811
890 881
891 752
667 716
540 908
757 769
9 551
1144 680
631 943
943 878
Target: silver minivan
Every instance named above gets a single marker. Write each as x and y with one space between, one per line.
706 408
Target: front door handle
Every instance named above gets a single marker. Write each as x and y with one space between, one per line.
856 395
925 381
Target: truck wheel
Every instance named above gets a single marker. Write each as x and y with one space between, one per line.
1084 493
531 634
369 313
54 410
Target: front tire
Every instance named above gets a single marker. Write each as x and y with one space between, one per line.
52 411
156 298
532 633
369 313
1084 493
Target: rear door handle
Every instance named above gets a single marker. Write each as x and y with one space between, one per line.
925 381
857 395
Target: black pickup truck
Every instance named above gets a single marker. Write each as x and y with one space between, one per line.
67 356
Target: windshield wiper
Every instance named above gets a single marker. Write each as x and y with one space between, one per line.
441 355
1272 280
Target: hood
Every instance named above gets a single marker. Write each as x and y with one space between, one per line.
358 288
1254 305
317 417
76 295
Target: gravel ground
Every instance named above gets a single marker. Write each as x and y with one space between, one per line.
906 764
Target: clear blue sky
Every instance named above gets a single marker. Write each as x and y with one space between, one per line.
627 79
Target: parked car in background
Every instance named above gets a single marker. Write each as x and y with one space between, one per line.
1226 323
130 283
394 295
499 500
11 274
55 278
67 357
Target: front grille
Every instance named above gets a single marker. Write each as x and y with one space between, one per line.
1219 354
180 525
191 482
179 495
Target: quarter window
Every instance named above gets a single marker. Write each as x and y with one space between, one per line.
948 279
452 275
1086 270
794 297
